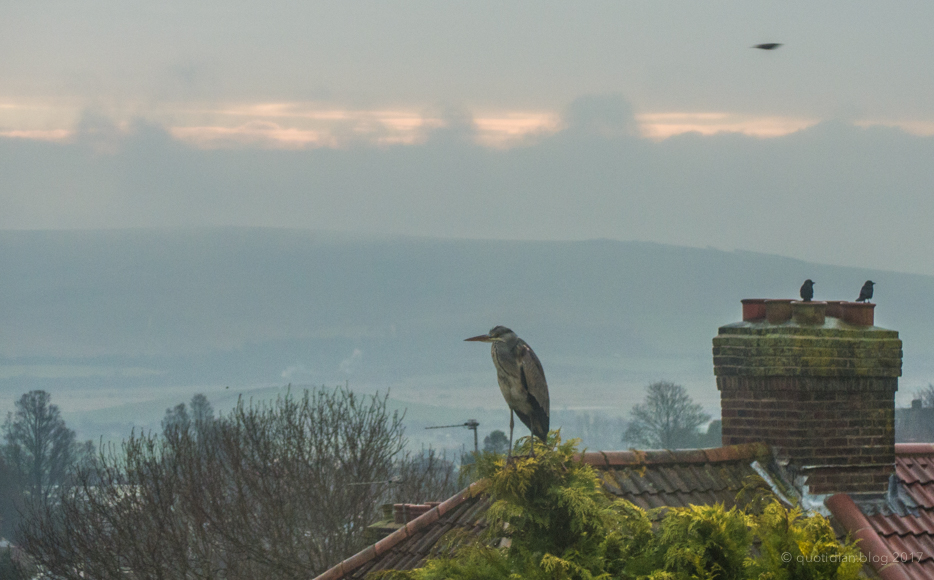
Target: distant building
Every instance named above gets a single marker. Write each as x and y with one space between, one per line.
915 424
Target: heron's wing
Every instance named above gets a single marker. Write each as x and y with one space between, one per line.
533 379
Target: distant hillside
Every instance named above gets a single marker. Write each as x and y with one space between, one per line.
101 317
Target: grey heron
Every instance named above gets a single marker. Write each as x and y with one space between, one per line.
807 290
865 293
521 380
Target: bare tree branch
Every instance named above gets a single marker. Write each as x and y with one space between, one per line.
668 419
262 492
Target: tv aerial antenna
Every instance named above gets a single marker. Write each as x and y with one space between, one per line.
471 424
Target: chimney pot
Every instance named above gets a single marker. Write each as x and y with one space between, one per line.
406 512
809 313
858 313
835 308
778 311
753 309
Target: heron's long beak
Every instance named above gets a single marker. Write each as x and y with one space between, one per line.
481 338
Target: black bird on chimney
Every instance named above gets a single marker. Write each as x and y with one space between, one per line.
807 290
865 292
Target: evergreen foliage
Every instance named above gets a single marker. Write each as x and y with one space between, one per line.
550 519
815 552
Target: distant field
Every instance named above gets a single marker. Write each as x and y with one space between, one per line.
113 423
118 325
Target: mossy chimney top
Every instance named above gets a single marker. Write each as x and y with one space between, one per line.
806 344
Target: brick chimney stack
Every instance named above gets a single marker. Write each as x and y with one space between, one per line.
816 384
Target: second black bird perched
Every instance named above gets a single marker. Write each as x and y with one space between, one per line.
521 380
807 290
865 293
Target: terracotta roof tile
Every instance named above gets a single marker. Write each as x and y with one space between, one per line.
651 479
845 511
431 537
922 571
737 452
670 480
677 457
903 449
703 476
332 573
889 525
923 494
625 484
910 548
915 469
910 535
467 515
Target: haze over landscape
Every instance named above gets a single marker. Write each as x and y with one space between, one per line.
149 317
197 197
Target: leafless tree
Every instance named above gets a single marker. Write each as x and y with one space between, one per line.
40 454
263 492
176 418
595 429
179 417
11 489
38 444
422 477
926 395
668 419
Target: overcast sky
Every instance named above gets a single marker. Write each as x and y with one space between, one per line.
521 120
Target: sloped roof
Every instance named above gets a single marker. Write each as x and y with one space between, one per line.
649 479
652 479
407 547
898 532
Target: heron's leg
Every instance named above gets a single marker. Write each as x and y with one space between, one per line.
531 443
512 423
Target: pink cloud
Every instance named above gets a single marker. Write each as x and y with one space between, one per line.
39 134
660 126
297 125
256 133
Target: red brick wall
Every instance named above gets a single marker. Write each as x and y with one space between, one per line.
839 432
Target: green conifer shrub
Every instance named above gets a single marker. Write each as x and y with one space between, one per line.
551 519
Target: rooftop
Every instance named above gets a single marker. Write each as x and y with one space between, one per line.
816 382
900 528
649 479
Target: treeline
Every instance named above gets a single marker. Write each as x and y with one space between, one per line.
272 489
275 489
40 455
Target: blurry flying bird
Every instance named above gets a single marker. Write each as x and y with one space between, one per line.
865 292
521 380
767 45
807 290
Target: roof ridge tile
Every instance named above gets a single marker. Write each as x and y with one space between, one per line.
381 547
845 511
676 456
358 559
914 449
